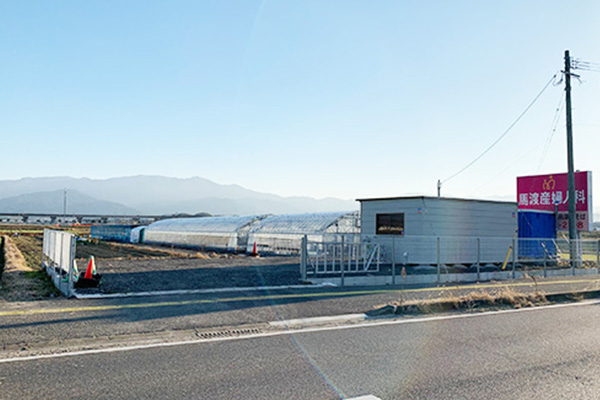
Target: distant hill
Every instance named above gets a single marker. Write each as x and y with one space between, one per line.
53 202
153 195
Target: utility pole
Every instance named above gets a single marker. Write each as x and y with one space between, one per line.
571 170
439 186
65 203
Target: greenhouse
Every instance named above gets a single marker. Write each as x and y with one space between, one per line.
273 234
282 234
215 233
115 233
137 234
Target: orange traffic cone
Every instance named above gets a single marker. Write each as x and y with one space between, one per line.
254 251
91 269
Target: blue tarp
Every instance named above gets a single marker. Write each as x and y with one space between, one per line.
537 231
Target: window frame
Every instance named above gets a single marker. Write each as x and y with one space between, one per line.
392 229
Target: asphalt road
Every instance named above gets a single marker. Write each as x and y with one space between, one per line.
27 326
551 353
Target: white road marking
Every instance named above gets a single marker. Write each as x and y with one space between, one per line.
367 397
296 331
306 321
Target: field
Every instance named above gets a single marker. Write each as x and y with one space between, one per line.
22 229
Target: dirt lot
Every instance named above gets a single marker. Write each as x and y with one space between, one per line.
109 250
196 273
135 268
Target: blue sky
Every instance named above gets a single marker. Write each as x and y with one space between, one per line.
320 98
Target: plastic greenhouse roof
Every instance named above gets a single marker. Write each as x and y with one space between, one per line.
298 223
203 224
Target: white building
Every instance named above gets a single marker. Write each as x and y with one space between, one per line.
430 230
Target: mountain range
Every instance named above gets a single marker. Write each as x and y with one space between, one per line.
151 195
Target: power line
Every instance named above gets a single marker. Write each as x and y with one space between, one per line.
553 127
578 61
510 165
504 133
546 142
585 65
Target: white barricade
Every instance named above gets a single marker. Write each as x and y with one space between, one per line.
58 259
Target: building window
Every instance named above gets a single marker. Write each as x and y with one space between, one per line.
390 224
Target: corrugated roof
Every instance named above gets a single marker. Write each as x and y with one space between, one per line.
436 198
230 224
314 223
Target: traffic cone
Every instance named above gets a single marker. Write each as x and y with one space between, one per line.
91 269
254 251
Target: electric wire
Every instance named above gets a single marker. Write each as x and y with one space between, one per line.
509 166
504 133
547 141
553 127
585 65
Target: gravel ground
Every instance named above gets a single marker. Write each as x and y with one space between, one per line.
194 273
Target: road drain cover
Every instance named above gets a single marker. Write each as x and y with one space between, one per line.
227 333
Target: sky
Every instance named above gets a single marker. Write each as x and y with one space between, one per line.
348 99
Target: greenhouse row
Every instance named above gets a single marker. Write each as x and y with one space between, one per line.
274 234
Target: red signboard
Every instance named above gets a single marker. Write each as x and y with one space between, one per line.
551 193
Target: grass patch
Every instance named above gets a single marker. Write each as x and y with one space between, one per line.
34 229
23 279
31 248
474 301
44 285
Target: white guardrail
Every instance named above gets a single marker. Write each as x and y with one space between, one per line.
58 259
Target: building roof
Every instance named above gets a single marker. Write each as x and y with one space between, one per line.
230 224
436 198
301 223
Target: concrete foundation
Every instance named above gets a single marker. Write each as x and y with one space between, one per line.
447 278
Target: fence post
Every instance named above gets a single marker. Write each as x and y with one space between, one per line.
478 260
573 255
598 256
350 255
303 258
342 260
70 288
439 264
514 251
393 260
333 247
545 261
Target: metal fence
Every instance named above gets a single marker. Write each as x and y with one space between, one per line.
341 254
290 244
58 258
446 259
